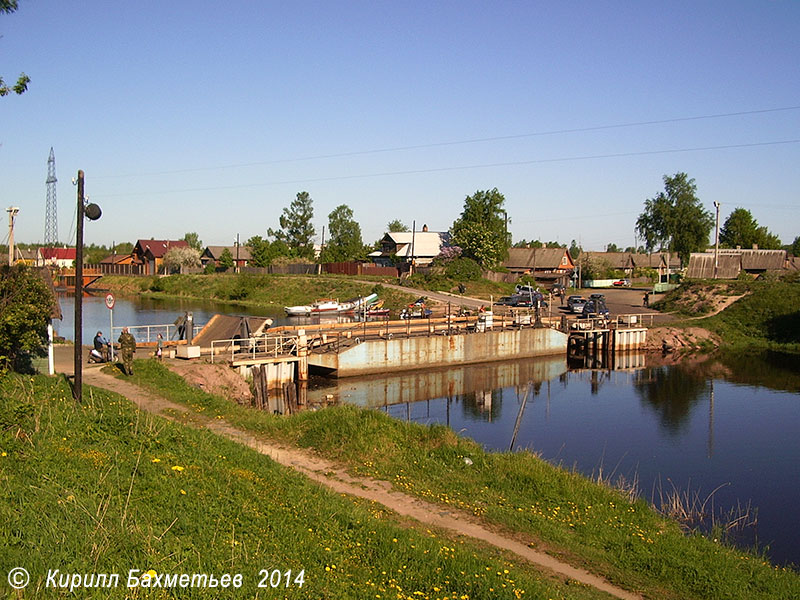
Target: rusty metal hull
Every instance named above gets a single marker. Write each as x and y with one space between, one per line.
422 352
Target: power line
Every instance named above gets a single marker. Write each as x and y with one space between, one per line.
462 167
459 142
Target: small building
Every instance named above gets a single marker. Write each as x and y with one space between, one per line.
548 265
150 253
729 263
240 255
419 247
62 258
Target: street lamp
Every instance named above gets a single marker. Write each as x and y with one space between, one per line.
91 212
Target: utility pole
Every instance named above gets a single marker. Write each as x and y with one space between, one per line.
12 215
77 390
236 269
716 241
92 212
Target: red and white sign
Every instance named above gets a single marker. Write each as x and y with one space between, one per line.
110 301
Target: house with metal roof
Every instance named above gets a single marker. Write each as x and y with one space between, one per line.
63 258
417 247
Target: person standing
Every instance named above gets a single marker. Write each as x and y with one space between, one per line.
127 345
160 347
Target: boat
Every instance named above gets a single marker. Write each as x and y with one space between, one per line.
326 306
375 309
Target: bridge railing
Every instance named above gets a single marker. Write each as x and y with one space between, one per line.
268 346
149 333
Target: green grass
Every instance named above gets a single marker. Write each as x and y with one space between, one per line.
103 488
585 523
766 318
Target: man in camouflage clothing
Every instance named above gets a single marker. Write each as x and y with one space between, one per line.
127 346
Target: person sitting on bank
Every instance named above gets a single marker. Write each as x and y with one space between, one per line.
100 350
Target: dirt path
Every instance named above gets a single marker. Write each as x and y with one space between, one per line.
337 479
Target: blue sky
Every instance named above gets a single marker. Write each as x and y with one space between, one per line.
210 117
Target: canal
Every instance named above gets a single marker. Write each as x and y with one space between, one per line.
728 424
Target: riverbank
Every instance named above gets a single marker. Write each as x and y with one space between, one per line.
567 515
263 291
764 315
124 490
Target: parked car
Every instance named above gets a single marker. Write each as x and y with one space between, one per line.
575 304
622 283
505 301
595 307
597 296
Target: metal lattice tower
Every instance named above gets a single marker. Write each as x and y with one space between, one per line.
51 213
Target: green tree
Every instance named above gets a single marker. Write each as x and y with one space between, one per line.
226 259
345 240
575 250
25 307
612 247
296 230
259 251
795 249
674 220
481 229
8 7
741 229
396 226
193 240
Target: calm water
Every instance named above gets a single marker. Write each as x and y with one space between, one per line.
732 422
728 422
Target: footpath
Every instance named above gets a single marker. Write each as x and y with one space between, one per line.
334 477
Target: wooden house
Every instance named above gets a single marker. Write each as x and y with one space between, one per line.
150 254
548 265
240 255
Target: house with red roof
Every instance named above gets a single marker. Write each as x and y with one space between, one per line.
63 258
150 253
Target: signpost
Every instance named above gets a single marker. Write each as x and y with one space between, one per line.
110 304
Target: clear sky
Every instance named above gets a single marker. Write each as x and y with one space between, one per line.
211 116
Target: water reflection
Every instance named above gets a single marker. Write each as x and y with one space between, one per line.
696 425
671 393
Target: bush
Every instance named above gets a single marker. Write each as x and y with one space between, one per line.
25 307
463 269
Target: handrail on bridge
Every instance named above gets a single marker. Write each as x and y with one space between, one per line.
255 347
149 333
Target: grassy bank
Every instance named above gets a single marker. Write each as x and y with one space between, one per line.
766 318
273 291
103 488
560 511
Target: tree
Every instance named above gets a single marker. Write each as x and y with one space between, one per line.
396 226
741 229
25 307
296 230
8 7
612 247
345 241
226 259
675 220
575 250
180 257
796 246
481 229
193 240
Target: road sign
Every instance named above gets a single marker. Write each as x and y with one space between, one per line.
110 301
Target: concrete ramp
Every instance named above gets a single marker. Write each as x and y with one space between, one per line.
228 327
